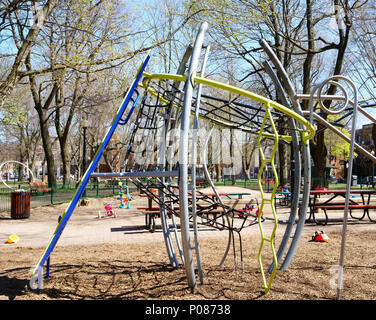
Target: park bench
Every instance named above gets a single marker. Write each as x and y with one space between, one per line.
341 206
201 182
265 181
154 212
39 187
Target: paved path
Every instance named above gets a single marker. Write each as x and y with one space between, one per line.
85 228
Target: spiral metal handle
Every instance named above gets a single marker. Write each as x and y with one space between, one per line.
340 86
320 96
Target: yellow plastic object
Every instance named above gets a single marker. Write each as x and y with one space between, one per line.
13 239
271 200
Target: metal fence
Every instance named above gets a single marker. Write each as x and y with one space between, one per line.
64 193
60 193
4 199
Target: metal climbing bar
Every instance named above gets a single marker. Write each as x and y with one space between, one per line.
267 116
307 133
137 174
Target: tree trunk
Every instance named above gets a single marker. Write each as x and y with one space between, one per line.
63 132
233 179
47 147
43 123
319 151
218 172
282 157
65 158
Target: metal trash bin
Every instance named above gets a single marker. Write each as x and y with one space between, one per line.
20 204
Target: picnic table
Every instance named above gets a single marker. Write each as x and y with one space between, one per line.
151 212
228 195
284 198
332 203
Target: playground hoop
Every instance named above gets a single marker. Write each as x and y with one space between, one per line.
13 161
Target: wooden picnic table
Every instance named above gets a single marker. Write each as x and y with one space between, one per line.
332 203
151 213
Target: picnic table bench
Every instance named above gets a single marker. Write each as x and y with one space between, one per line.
328 204
201 182
150 215
207 212
203 209
39 187
352 207
284 198
154 212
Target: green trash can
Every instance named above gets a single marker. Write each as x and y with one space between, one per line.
20 204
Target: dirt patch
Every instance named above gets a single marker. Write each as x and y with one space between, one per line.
139 271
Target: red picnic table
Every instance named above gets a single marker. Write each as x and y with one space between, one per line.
332 204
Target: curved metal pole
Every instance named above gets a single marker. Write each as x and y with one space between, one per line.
161 166
297 169
303 209
348 184
4 163
193 173
163 214
287 84
174 113
207 175
175 229
183 158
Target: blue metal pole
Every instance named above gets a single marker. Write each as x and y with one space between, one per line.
86 177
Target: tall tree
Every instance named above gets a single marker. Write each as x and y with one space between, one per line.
70 52
304 34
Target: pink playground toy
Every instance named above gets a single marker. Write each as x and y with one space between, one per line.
109 211
248 209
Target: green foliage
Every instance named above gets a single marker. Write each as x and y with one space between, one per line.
14 112
336 146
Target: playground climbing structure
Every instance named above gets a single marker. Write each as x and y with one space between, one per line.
166 111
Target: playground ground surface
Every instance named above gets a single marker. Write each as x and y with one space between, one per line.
116 258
